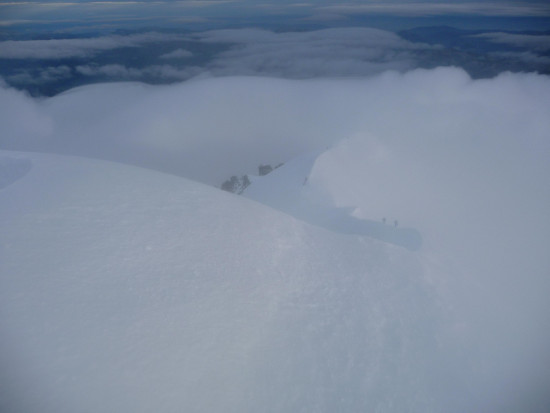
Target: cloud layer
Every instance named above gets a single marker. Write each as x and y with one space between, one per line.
121 72
272 120
177 54
336 52
329 52
532 42
436 8
64 48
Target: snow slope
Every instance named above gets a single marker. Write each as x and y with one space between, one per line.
296 189
482 208
126 290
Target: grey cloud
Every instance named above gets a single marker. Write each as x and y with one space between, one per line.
169 72
46 75
533 42
55 73
438 8
14 22
203 3
64 48
158 72
111 70
527 57
21 78
330 52
177 54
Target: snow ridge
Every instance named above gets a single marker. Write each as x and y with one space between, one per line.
289 188
126 290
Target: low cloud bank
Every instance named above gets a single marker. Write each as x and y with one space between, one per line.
231 124
88 47
434 8
329 52
177 54
528 41
157 72
335 52
45 75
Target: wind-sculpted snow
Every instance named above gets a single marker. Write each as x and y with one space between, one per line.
339 221
289 188
125 290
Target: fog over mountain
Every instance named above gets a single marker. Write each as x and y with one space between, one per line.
211 128
394 258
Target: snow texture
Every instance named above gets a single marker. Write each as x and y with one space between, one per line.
290 189
126 290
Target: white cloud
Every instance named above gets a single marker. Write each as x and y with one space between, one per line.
40 76
169 72
157 72
528 41
268 120
330 52
111 70
527 57
23 123
4 23
177 54
64 48
21 78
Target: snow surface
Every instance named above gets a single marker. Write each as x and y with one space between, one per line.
12 169
483 214
290 189
126 290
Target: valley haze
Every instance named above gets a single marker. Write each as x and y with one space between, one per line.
396 258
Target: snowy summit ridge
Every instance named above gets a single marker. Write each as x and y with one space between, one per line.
129 290
303 188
